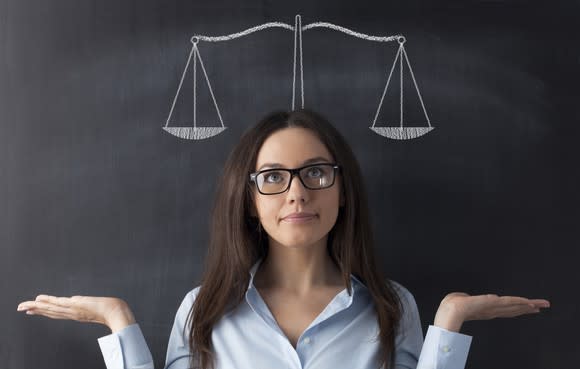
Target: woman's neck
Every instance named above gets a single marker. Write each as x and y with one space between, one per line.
298 270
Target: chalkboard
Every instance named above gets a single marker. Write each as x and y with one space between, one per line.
97 199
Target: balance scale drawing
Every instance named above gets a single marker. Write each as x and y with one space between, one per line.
196 132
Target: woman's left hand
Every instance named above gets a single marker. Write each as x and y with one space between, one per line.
459 307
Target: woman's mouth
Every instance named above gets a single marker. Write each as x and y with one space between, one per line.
299 219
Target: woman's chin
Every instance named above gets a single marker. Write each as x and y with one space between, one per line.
299 242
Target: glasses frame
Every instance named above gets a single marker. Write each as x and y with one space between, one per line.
296 171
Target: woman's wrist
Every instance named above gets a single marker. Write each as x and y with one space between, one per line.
120 318
447 318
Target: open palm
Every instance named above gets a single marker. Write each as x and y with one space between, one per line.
80 308
459 307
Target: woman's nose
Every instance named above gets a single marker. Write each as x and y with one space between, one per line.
297 191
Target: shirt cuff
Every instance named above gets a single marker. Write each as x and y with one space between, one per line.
126 348
444 349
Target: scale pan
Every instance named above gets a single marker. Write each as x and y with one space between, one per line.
401 133
195 133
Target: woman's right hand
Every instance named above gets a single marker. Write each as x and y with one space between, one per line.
110 311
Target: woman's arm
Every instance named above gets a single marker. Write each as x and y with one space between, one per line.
128 347
125 347
440 349
444 346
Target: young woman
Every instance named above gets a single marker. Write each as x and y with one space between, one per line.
291 278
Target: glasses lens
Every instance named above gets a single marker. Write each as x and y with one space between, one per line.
317 176
273 181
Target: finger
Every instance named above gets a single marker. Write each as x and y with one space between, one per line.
61 313
71 313
519 299
57 301
513 311
24 305
516 300
60 301
499 310
42 307
48 314
513 300
540 303
60 316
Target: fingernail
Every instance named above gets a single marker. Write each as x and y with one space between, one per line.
30 312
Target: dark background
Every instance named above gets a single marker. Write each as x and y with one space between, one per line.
96 199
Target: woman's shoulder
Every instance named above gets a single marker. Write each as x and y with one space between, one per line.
404 294
401 290
188 300
410 319
192 294
181 317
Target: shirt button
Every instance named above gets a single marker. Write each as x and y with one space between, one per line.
446 348
307 340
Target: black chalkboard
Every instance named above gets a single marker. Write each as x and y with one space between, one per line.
97 199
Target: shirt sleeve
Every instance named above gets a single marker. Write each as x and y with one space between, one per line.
442 349
127 348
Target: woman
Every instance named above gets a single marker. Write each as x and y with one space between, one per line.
290 278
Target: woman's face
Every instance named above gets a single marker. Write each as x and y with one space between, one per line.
291 148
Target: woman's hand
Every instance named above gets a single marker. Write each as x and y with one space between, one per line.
459 307
110 311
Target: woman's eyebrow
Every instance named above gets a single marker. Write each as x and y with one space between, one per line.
277 165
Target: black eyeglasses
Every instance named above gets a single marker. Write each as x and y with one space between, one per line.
278 180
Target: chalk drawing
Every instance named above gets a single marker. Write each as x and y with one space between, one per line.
400 132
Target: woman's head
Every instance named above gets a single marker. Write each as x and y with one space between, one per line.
241 210
290 139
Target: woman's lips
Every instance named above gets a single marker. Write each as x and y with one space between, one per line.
301 219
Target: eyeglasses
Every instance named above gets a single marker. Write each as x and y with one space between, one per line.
278 180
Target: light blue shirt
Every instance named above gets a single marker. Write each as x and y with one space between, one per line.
343 335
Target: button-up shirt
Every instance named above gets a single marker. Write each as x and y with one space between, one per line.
343 335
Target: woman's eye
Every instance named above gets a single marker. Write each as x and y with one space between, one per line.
316 171
275 175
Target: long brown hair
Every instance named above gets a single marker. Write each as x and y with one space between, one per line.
236 244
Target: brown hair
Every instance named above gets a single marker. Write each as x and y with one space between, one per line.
235 243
